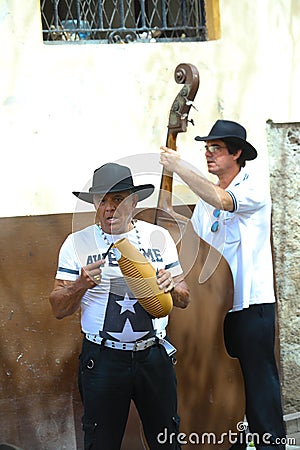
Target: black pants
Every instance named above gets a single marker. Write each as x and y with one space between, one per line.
109 379
249 336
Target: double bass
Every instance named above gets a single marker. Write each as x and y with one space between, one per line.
211 395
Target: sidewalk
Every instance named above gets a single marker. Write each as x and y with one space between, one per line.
292 423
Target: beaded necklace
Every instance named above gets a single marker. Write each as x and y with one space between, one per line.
114 239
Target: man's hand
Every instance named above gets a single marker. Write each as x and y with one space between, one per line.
169 158
66 295
180 293
164 280
91 274
176 286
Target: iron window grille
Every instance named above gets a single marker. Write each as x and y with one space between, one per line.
123 21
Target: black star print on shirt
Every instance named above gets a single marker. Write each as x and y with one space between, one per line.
125 319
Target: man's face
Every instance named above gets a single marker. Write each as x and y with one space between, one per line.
218 158
114 211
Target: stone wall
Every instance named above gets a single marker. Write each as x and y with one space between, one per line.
284 157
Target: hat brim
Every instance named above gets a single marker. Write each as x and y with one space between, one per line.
143 191
248 149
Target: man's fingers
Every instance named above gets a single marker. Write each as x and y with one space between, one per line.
168 150
92 271
94 265
165 280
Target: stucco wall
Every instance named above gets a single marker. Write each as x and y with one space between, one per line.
284 149
66 109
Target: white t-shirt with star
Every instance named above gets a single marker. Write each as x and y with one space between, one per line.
243 238
110 309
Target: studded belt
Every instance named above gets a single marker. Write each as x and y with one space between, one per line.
130 346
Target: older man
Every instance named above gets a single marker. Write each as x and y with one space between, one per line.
124 354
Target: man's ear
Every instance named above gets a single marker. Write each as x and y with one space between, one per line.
134 200
237 154
96 203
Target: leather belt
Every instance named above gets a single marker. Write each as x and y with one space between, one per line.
130 346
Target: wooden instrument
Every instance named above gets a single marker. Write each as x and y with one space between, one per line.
188 75
140 276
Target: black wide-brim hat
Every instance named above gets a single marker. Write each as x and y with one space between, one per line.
112 177
233 132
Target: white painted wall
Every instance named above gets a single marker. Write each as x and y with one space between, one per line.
67 109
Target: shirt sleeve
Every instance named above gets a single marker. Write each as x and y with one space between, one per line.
247 197
170 255
68 265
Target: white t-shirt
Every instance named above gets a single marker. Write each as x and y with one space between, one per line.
110 308
243 238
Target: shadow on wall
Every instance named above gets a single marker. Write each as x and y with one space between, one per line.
39 400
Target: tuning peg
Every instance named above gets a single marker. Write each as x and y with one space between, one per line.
192 122
190 103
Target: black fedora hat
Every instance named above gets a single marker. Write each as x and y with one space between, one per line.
233 132
112 177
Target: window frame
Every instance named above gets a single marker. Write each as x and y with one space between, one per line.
74 27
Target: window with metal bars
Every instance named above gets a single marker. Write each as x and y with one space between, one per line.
123 21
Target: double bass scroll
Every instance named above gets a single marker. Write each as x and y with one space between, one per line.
188 75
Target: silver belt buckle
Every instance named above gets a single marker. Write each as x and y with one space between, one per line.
142 345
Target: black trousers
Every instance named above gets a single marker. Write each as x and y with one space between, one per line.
249 336
109 379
